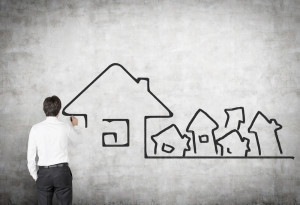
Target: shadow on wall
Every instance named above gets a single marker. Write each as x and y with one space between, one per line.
119 97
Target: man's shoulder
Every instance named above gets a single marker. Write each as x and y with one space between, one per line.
62 123
44 123
35 128
37 125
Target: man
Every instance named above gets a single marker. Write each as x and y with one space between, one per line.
49 140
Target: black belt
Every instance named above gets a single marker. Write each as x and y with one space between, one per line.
54 165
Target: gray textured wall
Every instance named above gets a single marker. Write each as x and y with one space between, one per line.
198 54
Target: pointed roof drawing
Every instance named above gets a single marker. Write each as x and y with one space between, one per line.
201 118
259 114
239 118
198 121
136 80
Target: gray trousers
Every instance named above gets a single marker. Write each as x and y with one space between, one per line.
56 180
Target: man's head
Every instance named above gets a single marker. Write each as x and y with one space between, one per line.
51 106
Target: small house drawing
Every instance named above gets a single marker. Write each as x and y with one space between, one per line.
233 144
235 117
170 142
265 131
202 126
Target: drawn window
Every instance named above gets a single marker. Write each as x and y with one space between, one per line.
120 136
109 138
167 148
203 138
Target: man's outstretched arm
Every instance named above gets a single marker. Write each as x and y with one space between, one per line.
75 130
74 121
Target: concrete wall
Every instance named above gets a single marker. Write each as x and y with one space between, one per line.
197 54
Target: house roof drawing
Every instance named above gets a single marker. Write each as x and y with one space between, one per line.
171 131
119 68
239 118
258 115
199 119
204 123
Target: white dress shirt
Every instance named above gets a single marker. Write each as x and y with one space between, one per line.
49 140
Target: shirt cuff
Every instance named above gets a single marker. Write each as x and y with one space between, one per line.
34 177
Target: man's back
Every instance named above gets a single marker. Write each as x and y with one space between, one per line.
51 138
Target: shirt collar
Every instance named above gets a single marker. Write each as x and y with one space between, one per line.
51 118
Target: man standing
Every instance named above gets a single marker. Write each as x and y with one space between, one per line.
49 140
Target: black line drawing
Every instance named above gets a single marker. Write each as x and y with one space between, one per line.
238 120
198 126
165 136
115 135
230 139
262 144
105 134
137 81
201 136
167 148
223 157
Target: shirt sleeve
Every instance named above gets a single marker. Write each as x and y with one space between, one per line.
74 133
31 154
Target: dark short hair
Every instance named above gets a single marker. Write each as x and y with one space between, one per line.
51 106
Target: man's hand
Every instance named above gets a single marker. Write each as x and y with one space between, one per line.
74 121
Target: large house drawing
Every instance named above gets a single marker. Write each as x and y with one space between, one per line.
121 101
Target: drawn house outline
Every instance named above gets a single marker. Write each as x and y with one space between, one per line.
169 115
136 80
228 116
269 121
212 132
182 136
243 139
